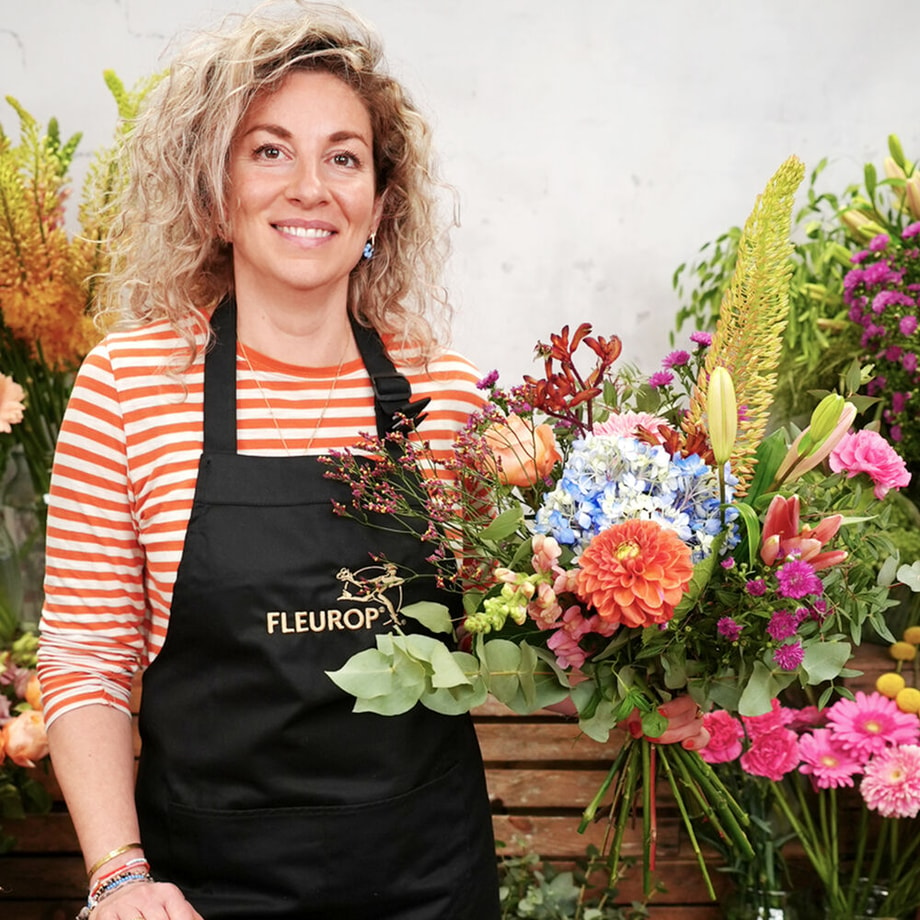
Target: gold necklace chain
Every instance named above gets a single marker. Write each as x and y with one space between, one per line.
271 411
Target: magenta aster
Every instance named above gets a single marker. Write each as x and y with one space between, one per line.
660 379
789 656
891 782
729 629
797 578
676 359
829 764
871 722
782 625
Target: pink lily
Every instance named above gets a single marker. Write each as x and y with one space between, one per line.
784 537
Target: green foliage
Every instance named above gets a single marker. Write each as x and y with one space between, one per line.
540 891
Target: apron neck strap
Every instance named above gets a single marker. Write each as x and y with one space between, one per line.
393 406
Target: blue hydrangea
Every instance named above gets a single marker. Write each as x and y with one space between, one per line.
611 479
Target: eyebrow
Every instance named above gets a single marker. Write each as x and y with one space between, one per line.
281 132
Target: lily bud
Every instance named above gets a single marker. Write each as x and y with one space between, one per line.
861 227
722 409
896 150
823 421
912 193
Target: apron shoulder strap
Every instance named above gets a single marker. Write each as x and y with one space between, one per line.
220 381
393 403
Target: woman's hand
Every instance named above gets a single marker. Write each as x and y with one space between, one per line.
685 724
145 901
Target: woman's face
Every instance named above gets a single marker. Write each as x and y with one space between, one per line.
302 199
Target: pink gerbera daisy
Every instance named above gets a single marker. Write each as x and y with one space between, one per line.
870 723
891 784
828 762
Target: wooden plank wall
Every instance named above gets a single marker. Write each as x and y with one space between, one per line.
540 772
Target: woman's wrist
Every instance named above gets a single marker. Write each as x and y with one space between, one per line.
132 872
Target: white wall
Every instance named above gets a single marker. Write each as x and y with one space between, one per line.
595 144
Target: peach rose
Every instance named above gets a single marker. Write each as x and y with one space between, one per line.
524 454
33 693
25 740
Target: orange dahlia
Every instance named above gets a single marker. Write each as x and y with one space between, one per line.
634 573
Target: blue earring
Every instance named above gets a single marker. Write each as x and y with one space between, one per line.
369 247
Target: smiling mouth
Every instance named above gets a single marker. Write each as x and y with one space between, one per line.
305 233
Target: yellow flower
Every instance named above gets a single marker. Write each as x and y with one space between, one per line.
912 635
903 651
890 684
908 700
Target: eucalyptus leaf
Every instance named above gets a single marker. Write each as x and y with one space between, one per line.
435 617
395 703
761 689
601 722
542 683
454 701
447 670
365 675
825 660
502 660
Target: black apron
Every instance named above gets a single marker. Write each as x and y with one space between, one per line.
260 794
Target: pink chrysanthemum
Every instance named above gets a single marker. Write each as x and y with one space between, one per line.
870 723
891 783
828 762
627 424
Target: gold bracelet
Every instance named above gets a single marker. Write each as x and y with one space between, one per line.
116 852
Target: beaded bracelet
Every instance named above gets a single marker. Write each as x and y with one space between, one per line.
132 865
101 892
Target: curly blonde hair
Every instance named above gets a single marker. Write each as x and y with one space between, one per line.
168 260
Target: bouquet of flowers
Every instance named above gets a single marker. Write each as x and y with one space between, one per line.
637 550
808 755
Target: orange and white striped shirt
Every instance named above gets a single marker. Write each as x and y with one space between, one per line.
124 479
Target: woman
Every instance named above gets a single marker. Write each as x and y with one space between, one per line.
274 265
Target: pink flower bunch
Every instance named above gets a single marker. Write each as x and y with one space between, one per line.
882 292
868 736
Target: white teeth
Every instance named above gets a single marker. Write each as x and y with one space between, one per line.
307 233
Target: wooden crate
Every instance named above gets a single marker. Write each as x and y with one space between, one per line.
540 772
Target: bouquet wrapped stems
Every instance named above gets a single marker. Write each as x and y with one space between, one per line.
635 769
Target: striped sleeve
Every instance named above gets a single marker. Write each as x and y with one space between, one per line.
94 614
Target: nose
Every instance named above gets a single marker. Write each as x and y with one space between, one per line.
306 183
